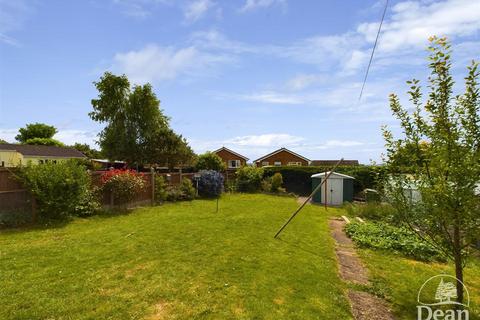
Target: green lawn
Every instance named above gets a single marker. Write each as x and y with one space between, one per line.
399 279
184 261
177 261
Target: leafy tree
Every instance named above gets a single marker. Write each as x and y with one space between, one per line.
87 150
210 161
3 141
402 158
136 129
35 130
446 173
44 142
167 148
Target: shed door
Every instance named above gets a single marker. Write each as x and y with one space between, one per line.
334 192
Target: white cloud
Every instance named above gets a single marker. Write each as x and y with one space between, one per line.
214 40
154 63
342 143
410 23
265 140
303 81
71 136
251 5
8 134
138 8
197 9
272 97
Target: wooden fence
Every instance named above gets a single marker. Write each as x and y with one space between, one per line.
15 198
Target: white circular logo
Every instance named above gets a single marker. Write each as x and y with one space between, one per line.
445 291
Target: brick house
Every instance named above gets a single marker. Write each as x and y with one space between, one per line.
282 157
231 159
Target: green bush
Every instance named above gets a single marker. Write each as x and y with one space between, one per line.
249 179
277 181
395 239
231 186
61 190
187 189
89 204
266 184
160 189
174 193
124 185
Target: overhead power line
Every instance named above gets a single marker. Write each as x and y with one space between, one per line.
373 50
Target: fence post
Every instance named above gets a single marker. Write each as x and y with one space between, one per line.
152 182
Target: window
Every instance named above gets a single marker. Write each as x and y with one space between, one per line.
46 160
265 163
234 164
54 161
3 163
40 161
294 163
277 163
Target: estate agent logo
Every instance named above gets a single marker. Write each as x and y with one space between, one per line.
443 305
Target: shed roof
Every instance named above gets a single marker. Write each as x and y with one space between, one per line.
333 175
42 151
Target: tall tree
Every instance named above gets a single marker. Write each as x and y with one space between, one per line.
210 161
35 131
448 171
136 129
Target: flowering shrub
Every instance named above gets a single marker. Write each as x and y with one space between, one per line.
124 185
210 184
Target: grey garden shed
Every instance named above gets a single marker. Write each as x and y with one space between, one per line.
337 190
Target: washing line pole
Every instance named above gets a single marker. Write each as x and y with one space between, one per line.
309 197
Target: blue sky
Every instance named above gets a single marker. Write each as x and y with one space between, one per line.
252 75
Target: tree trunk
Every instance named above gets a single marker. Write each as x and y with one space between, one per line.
458 263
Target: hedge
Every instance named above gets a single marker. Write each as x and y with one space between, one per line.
298 179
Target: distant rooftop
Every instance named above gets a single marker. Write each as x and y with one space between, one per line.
42 151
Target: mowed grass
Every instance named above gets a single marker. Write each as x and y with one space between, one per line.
399 279
176 261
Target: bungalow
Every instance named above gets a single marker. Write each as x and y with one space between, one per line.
231 159
282 157
14 155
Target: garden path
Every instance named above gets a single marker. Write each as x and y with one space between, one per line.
365 306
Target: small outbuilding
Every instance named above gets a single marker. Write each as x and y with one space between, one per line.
337 190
